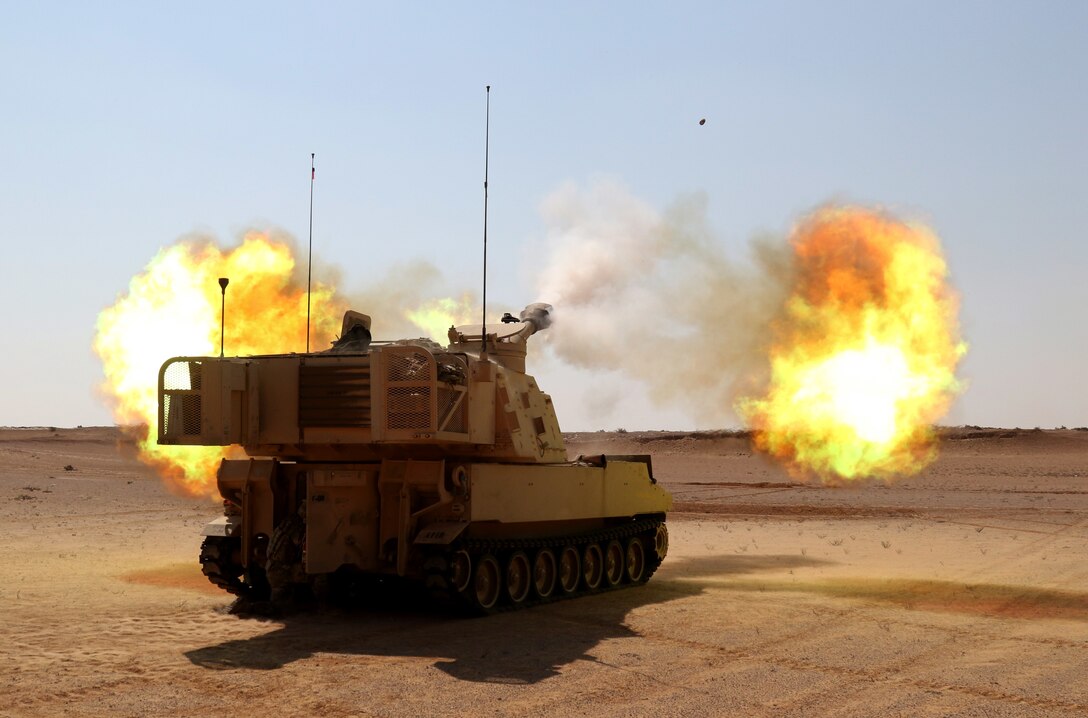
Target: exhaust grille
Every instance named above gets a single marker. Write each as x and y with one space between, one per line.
334 395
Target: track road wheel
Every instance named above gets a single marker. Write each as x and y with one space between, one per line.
460 571
519 577
486 583
634 560
544 573
613 563
592 566
570 570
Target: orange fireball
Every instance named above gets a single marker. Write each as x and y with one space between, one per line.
864 352
172 308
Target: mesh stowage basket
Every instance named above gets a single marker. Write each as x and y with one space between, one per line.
180 404
409 392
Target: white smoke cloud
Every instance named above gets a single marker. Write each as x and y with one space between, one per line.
652 296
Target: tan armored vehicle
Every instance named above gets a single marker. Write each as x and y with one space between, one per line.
441 465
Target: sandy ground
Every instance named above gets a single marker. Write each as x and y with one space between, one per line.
963 591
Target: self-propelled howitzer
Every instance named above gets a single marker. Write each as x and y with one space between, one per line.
404 458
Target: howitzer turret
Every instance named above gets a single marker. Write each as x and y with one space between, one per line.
440 464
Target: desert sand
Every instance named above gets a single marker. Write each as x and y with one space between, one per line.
962 591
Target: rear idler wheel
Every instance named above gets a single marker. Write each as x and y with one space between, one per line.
460 571
435 570
218 562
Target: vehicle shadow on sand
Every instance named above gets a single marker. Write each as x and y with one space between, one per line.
519 647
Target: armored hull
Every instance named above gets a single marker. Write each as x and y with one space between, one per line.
445 466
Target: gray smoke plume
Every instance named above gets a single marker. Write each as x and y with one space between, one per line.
653 296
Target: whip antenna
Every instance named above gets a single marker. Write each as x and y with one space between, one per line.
487 143
310 255
223 282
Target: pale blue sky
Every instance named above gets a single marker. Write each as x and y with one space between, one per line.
124 128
